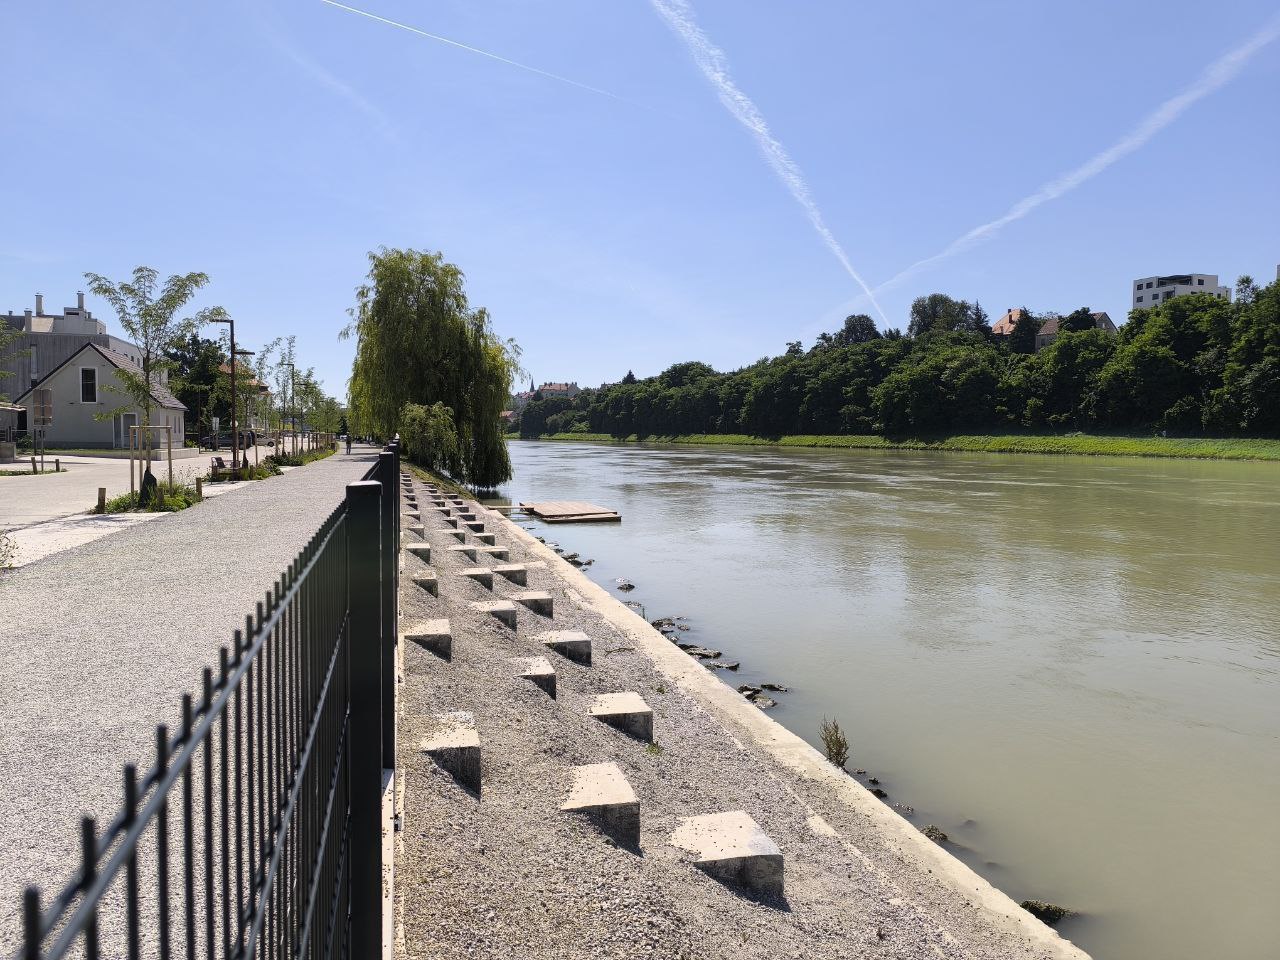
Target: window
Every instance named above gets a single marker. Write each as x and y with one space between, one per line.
1148 284
88 385
1139 298
1200 283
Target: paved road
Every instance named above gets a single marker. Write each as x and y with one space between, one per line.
33 499
98 644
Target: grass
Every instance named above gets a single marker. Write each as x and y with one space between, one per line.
299 459
175 497
1076 444
27 472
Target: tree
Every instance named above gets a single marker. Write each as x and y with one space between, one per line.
195 380
8 337
151 321
430 438
1023 338
629 378
418 340
937 312
1077 321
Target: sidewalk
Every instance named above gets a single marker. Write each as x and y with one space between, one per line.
99 644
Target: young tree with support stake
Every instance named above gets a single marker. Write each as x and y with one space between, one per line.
149 318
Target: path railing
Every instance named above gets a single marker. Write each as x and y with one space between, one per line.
258 828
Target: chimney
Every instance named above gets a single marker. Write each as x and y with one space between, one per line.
80 300
39 305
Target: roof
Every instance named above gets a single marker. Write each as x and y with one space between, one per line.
160 392
558 386
1004 326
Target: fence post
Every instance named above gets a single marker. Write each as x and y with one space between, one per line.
389 474
364 656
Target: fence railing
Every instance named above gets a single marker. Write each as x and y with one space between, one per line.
257 829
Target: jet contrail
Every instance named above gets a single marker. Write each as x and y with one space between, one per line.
714 66
1217 75
483 53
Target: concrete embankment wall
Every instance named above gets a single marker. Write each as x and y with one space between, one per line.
838 806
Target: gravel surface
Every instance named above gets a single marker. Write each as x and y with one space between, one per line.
507 874
101 641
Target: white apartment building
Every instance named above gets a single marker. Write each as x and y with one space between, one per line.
1150 291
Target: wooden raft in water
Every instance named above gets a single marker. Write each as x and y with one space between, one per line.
570 511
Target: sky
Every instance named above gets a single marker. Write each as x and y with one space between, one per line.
635 183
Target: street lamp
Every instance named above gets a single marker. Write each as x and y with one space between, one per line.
230 321
241 353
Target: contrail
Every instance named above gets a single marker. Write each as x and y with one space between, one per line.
1217 75
714 65
483 53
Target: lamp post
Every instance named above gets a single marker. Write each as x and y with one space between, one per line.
241 353
231 322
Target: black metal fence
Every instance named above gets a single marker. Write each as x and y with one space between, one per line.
258 829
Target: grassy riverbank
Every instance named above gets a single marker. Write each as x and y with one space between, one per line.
1078 444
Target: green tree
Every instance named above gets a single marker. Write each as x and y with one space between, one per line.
1077 321
195 380
418 340
1023 338
629 378
150 320
430 437
8 337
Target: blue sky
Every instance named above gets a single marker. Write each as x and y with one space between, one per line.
272 144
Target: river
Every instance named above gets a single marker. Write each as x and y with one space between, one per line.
1070 665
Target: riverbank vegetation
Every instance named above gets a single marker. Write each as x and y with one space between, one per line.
1192 367
1079 444
430 367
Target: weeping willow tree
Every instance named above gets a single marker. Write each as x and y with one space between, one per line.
418 341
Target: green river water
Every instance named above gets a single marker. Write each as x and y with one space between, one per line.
1071 665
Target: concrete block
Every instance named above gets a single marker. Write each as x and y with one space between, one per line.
467 516
539 601
488 539
539 671
457 534
732 848
433 635
498 553
571 644
462 549
411 514
420 550
517 573
481 575
451 521
626 712
454 745
601 793
429 582
418 529
475 526
503 610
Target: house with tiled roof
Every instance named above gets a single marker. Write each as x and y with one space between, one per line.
1048 331
82 402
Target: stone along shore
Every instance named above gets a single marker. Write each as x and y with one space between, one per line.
573 785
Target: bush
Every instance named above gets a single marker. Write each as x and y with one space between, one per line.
834 742
8 550
172 498
277 460
430 438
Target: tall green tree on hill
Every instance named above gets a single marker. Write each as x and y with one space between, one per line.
1023 338
419 341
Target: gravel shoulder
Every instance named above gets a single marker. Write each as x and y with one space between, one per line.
506 874
99 642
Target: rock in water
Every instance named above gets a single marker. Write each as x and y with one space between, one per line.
775 687
748 690
1048 913
934 834
702 653
624 584
722 665
763 702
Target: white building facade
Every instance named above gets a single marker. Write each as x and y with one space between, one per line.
1151 291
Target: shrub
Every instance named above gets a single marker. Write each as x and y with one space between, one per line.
8 550
834 742
431 438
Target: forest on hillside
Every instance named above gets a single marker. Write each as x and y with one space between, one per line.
1196 365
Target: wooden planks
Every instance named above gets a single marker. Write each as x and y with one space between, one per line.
570 511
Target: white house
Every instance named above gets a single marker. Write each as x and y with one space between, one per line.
1150 291
68 402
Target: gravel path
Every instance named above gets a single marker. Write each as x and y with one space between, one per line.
506 874
100 642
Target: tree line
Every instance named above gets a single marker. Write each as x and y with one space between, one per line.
1194 365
